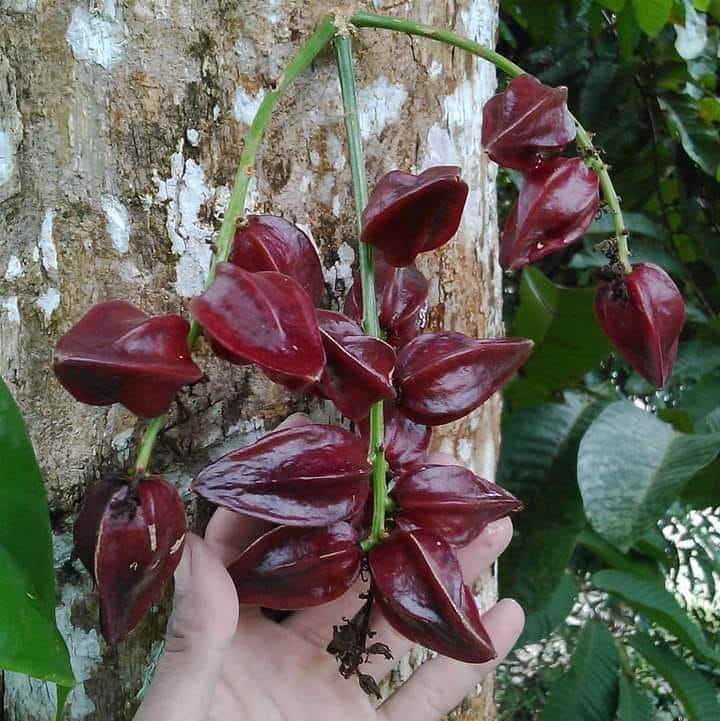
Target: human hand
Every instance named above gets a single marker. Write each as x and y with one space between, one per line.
223 661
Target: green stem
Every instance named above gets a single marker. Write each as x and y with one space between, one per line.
343 56
584 140
236 206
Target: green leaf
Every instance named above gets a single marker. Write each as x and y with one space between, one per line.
652 600
700 141
615 558
635 223
629 33
588 691
652 15
701 5
537 464
633 704
632 466
540 624
61 697
697 696
29 641
568 340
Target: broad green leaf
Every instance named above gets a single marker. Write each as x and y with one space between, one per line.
703 489
629 33
700 141
651 599
29 641
652 15
588 691
653 545
635 223
692 36
540 624
633 704
568 340
632 466
537 464
702 398
701 5
615 558
31 644
697 696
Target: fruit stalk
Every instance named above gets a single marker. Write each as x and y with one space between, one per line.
236 205
584 139
371 323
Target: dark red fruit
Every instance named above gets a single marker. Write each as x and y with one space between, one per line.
556 205
359 368
525 122
310 475
420 591
410 214
290 568
264 318
116 353
406 442
267 242
450 501
401 300
643 315
444 376
131 542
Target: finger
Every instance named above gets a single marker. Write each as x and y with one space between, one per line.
200 630
439 685
315 624
228 533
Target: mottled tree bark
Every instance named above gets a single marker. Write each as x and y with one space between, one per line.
121 122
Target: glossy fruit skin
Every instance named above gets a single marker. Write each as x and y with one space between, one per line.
444 376
401 295
406 442
557 203
450 501
290 568
116 353
643 316
264 318
420 591
310 475
359 368
410 214
268 242
526 122
131 542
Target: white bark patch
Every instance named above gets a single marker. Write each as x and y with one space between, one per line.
379 105
440 148
48 301
7 156
46 244
186 191
193 137
117 222
435 70
19 6
10 306
14 268
95 39
342 268
246 105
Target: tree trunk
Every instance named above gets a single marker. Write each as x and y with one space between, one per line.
121 123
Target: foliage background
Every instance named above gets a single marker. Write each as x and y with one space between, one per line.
616 555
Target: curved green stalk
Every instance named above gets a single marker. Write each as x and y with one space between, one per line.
343 56
236 206
584 140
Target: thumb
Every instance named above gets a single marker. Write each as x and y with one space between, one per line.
201 627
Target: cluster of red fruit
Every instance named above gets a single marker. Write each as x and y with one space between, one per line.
313 480
526 127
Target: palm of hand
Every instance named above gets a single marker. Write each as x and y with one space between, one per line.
223 662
